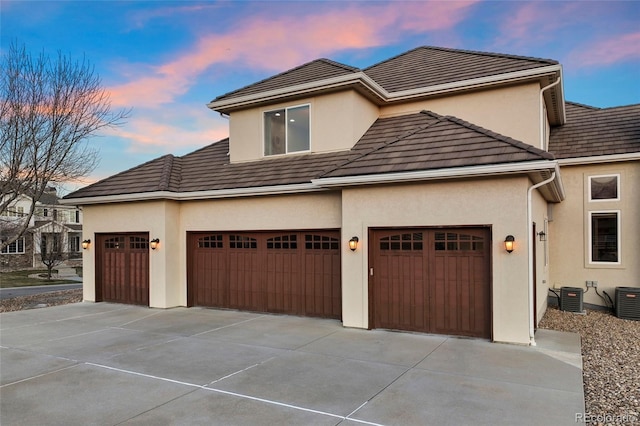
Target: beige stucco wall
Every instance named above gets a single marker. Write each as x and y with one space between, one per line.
159 219
569 230
500 203
337 121
511 111
169 221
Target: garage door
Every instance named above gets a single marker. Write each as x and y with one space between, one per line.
282 272
122 268
431 280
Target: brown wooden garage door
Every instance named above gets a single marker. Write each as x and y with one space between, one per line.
431 280
122 268
284 272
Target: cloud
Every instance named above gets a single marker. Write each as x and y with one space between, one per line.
154 132
274 44
619 48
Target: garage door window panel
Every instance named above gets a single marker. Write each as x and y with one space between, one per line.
210 241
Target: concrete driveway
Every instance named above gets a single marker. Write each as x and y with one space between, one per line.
108 364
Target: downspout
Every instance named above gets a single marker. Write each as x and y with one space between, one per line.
532 314
542 122
531 239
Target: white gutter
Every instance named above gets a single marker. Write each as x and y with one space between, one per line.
542 120
194 195
577 161
454 172
379 91
531 239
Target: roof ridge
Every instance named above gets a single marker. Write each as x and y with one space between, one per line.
165 177
514 142
334 63
472 52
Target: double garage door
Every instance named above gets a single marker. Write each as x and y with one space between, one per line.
431 280
293 272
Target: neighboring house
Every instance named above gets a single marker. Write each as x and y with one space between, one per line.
51 224
383 197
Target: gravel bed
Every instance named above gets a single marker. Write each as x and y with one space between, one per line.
610 355
611 363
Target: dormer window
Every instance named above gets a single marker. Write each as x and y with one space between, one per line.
286 130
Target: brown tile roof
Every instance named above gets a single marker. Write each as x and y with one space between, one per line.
430 66
432 142
420 67
591 131
319 69
421 141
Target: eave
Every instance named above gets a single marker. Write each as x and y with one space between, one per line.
364 84
536 170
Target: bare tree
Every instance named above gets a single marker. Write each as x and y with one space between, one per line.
48 111
53 246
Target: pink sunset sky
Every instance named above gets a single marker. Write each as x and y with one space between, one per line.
166 60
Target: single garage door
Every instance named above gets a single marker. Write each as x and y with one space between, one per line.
431 280
289 272
122 268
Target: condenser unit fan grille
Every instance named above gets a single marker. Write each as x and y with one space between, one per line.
571 299
628 303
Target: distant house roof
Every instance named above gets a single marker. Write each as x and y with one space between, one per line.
591 131
422 141
424 71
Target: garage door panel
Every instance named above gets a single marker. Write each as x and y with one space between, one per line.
432 280
281 272
122 270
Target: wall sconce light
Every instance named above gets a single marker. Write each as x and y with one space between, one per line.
542 235
85 244
353 243
154 243
508 243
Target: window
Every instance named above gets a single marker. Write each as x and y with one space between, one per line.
286 130
451 241
320 242
604 188
402 242
16 247
242 242
282 242
17 211
74 244
604 237
210 241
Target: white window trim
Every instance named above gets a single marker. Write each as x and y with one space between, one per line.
590 243
16 243
286 141
617 175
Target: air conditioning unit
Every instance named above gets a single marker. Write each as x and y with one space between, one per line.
628 303
571 299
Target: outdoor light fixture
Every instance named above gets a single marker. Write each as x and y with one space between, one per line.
85 244
154 243
353 243
508 243
542 235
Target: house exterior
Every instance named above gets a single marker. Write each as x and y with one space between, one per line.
383 197
50 225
